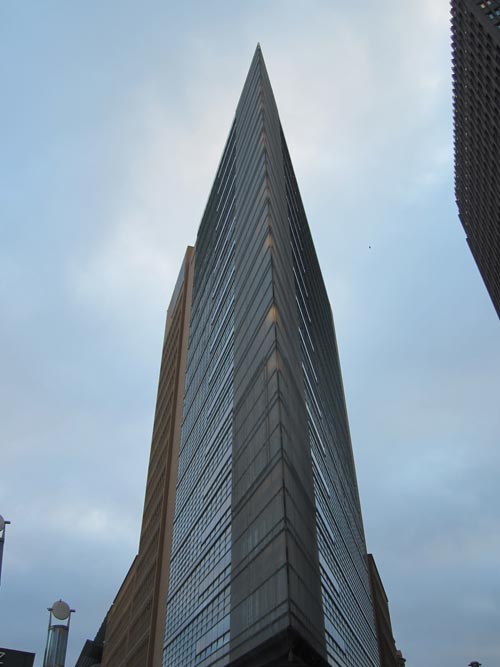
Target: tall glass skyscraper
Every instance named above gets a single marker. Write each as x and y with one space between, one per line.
268 558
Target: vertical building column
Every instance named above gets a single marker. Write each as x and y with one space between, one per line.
275 586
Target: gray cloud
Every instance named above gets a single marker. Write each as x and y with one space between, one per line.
117 118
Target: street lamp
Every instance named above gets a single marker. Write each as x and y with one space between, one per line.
3 523
57 634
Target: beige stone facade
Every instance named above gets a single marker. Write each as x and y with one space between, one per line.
134 634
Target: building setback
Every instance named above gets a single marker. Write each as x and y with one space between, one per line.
268 563
91 654
476 89
389 654
136 620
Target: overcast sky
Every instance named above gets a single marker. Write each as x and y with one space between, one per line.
113 118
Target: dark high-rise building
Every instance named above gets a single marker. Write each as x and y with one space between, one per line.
476 75
268 562
263 561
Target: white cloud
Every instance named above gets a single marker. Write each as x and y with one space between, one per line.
366 93
165 170
364 96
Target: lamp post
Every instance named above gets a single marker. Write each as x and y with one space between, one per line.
57 634
3 523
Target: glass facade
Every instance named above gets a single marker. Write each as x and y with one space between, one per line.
197 619
268 558
345 588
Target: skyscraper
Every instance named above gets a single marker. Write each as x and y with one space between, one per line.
252 551
476 88
268 561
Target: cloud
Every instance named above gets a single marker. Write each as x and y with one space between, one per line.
165 171
367 91
113 183
362 101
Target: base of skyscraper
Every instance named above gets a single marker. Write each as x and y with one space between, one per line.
287 649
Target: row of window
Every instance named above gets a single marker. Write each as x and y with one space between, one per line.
199 591
341 547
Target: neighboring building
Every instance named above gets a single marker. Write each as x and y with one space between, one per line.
91 654
402 661
136 620
268 563
11 658
476 75
389 654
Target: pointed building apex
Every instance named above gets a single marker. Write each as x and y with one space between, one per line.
258 52
257 70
